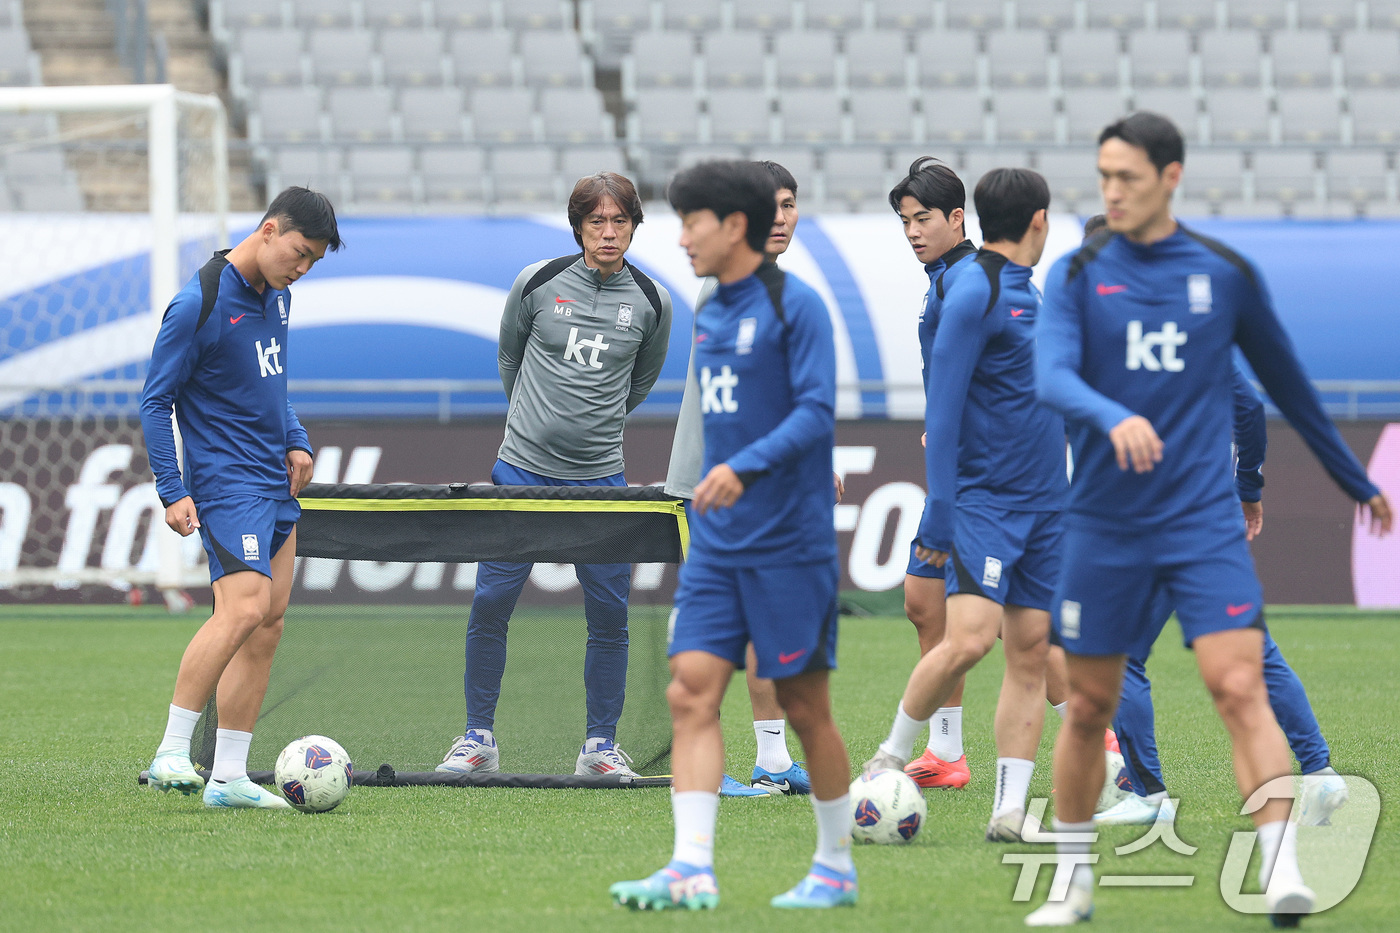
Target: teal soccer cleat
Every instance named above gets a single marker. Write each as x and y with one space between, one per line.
792 781
823 887
174 771
678 886
733 787
242 794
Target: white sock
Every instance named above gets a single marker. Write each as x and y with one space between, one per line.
945 733
1083 876
178 730
1013 783
231 755
695 812
834 833
773 754
1060 708
1278 853
901 741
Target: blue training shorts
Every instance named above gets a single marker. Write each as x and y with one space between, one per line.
1005 555
245 532
918 568
788 612
1118 588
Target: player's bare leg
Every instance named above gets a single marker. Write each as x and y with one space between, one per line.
1020 715
774 771
943 763
241 604
1057 690
244 682
924 605
698 680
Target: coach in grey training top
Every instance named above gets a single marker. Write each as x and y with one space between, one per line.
583 338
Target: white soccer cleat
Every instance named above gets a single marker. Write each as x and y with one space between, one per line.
606 761
883 761
1012 827
470 755
1077 907
1288 902
174 771
1323 795
1136 811
241 794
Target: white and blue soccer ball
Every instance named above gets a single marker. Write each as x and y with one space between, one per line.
887 807
314 774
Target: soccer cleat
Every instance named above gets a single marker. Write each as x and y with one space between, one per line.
1077 907
1136 811
678 886
823 887
472 753
606 761
174 771
883 761
1323 795
1110 741
241 794
733 787
1010 826
928 770
1288 902
794 780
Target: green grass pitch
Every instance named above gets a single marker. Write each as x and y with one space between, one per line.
82 704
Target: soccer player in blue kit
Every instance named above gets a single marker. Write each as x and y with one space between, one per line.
762 562
1135 349
220 362
993 511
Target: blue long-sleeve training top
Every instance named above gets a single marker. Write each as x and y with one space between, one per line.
1251 439
766 363
990 441
220 361
942 273
1129 329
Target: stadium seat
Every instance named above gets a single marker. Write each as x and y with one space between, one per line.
1286 175
1263 15
286 115
503 115
247 14
1190 208
1385 14
904 15
323 13
1309 115
1121 15
465 14
734 60
341 57
841 16
453 174
811 115
665 115
1231 58
7 197
575 115
1073 178
19 65
265 58
979 17
381 174
1213 175
315 167
1089 110
577 161
1089 59
1160 59
800 160
1186 14
876 59
1025 116
691 15
609 27
1254 210
805 59
1049 15
739 117
1373 117
24 127
538 14
56 196
763 15
954 116
432 114
659 59
36 166
1332 15
525 176
1018 59
1301 59
393 14
1177 104
412 57
554 59
483 59
881 116
1357 175
978 162
1238 115
946 59
1371 59
361 114
855 177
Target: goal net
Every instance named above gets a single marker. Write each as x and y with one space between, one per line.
117 195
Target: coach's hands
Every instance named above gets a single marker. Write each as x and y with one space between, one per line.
298 470
1253 519
720 489
181 516
1381 517
1136 443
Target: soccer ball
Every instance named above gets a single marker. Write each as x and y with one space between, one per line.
1116 785
313 773
887 807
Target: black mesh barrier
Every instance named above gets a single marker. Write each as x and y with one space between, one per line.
385 679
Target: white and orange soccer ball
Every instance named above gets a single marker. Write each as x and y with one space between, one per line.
887 807
314 774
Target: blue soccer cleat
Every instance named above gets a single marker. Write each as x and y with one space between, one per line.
173 771
792 781
733 787
678 886
241 794
823 887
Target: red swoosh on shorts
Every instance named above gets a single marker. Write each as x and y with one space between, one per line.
1233 611
789 658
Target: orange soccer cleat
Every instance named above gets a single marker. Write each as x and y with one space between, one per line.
1110 741
928 770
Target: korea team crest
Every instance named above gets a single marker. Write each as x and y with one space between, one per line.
624 317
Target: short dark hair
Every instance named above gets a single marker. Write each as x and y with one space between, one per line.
589 192
728 188
1151 132
782 178
933 184
301 210
1094 224
1007 199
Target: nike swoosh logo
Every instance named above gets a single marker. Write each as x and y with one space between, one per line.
235 320
789 658
1017 312
1111 289
702 338
774 731
1233 611
564 301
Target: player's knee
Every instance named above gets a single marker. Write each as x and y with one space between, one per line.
1090 712
1238 690
967 648
687 699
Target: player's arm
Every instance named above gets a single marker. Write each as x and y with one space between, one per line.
174 356
1251 442
516 321
963 331
1059 355
299 453
1269 351
651 355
